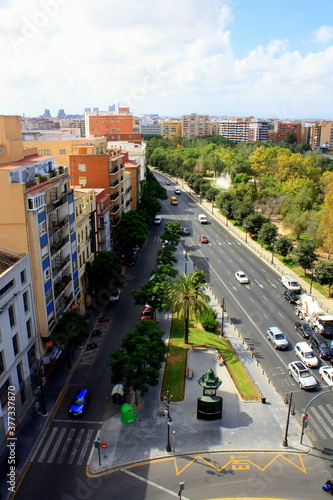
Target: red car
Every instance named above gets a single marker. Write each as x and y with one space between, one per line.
103 319
147 313
203 239
168 183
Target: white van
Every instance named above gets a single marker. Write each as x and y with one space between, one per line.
306 354
202 219
291 283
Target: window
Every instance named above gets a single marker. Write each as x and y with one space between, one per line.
15 344
25 302
32 355
82 167
44 152
4 393
19 372
22 394
42 228
62 151
83 181
2 366
29 329
23 277
7 287
11 316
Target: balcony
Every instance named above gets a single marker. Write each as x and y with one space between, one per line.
64 263
57 224
114 184
58 244
114 196
61 285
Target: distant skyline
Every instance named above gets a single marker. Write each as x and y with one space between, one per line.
216 57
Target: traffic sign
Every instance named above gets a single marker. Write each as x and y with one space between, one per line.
104 445
305 416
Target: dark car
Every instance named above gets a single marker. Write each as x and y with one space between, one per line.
80 403
291 296
303 329
321 345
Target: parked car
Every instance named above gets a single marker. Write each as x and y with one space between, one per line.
80 403
321 345
304 352
277 338
326 373
291 296
103 319
203 238
147 313
115 295
302 375
241 277
177 191
303 328
158 219
186 231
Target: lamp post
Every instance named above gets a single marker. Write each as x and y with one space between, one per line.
272 261
222 319
212 206
166 401
246 229
288 400
186 260
44 410
311 281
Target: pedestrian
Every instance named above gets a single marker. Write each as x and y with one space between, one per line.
331 362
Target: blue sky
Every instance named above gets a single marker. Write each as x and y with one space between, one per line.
217 57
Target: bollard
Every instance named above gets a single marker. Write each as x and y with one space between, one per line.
263 399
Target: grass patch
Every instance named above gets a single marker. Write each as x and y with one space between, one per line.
174 374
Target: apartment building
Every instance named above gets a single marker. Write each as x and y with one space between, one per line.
281 130
86 235
105 171
19 347
37 218
103 212
243 130
152 129
195 125
119 125
60 145
171 128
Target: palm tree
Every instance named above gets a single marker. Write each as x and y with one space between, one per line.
185 296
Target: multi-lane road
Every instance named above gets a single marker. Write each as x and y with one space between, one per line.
253 307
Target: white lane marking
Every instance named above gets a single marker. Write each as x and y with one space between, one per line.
151 483
265 297
261 286
280 314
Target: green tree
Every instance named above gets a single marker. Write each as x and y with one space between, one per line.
185 297
208 320
305 254
254 222
324 274
268 233
104 275
284 246
139 360
132 230
72 329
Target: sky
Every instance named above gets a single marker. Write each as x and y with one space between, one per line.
217 57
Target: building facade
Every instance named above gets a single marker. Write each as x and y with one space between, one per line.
119 125
195 125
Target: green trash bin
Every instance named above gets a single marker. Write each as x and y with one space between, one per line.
127 414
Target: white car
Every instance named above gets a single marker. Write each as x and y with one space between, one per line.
326 373
241 277
302 375
304 352
277 337
115 295
158 219
177 191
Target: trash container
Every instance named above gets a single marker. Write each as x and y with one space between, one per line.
127 414
263 400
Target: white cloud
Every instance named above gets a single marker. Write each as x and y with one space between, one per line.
323 35
167 57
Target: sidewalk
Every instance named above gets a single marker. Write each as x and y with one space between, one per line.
244 426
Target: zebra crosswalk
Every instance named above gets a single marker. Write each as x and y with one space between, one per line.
66 445
320 421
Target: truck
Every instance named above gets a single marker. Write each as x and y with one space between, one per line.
309 310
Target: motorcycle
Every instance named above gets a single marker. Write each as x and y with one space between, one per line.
91 346
96 333
328 486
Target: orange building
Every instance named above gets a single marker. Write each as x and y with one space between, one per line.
282 128
117 125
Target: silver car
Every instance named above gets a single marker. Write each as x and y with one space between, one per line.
302 375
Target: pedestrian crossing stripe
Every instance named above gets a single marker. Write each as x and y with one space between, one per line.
66 445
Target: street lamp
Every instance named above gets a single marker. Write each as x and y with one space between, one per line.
272 261
222 320
212 206
166 401
246 229
186 260
288 400
311 281
44 410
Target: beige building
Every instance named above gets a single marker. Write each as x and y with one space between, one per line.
170 129
195 125
61 149
37 218
86 235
